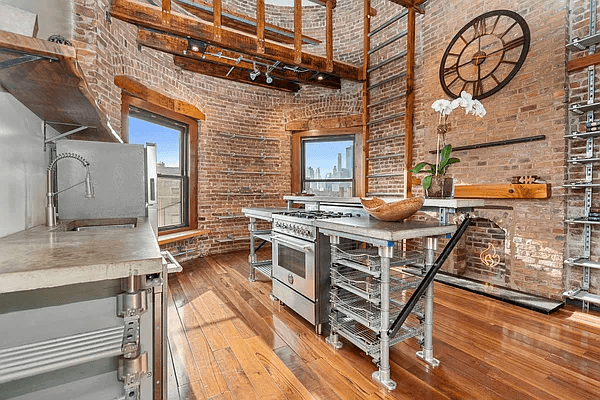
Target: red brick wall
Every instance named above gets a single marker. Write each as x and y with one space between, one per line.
532 103
108 48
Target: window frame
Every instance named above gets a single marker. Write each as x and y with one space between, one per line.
316 139
190 162
359 157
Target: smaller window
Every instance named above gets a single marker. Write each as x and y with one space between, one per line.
328 166
171 138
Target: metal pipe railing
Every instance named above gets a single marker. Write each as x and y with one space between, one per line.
428 279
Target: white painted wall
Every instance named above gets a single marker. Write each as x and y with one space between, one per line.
22 167
55 17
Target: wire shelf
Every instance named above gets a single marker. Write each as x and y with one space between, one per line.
264 267
368 259
367 286
366 339
355 281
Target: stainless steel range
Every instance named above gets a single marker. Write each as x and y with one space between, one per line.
301 259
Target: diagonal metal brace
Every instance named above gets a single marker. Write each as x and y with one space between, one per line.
25 58
18 61
412 302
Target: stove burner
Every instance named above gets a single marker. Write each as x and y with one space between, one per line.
319 214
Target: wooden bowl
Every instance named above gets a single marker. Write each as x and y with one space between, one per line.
395 211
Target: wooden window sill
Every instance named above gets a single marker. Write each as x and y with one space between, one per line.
178 236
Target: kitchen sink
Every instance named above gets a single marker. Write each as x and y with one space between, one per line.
79 225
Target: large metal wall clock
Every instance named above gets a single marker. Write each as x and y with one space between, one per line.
485 54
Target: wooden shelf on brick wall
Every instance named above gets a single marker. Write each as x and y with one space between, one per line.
503 191
46 78
179 236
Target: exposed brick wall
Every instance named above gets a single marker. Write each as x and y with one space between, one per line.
108 48
532 103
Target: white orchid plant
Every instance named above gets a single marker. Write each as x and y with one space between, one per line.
444 108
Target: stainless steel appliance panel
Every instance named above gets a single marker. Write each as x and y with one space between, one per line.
151 186
300 304
294 263
117 173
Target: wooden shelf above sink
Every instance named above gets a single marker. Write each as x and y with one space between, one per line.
46 78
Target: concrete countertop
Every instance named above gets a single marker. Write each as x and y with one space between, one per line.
429 203
43 257
370 228
263 213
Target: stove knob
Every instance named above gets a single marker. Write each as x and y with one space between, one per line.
291 279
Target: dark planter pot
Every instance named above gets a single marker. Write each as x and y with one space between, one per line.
441 187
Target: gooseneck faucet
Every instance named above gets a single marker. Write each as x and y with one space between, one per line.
89 188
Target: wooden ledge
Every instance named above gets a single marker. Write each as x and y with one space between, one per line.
179 236
137 89
503 191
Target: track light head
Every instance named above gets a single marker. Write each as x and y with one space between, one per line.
254 74
269 79
197 46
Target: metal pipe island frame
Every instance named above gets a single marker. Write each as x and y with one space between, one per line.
362 312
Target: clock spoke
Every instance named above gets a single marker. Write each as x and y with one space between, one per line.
513 44
508 30
495 24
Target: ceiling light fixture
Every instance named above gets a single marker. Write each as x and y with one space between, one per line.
269 79
254 73
197 46
320 77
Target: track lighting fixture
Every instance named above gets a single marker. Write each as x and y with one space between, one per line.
254 73
320 77
269 79
197 46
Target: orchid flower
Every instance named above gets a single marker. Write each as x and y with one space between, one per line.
443 106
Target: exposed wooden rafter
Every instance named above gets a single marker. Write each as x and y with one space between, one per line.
151 17
233 74
240 22
179 46
414 4
324 2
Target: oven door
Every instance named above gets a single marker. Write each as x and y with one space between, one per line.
294 263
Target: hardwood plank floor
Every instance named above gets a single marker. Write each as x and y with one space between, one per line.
229 340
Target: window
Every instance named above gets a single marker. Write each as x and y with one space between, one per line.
176 141
328 166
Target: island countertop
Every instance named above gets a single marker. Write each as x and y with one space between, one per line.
376 231
43 257
264 213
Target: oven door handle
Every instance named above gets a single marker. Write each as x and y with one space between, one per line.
303 247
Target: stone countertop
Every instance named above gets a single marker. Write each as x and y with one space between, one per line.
43 257
263 213
377 232
428 204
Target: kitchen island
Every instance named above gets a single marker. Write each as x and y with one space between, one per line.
81 312
362 283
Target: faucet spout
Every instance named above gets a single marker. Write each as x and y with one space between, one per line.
89 188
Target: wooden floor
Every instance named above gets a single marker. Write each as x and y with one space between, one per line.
230 341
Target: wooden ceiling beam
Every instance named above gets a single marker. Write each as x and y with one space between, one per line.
241 22
179 46
137 89
416 4
324 2
232 74
150 17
